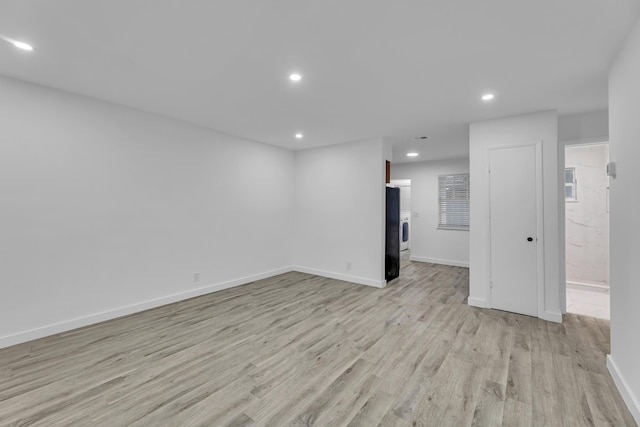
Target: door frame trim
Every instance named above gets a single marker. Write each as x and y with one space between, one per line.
540 279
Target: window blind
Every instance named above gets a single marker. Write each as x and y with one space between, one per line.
453 200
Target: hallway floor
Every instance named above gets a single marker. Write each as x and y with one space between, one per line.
594 303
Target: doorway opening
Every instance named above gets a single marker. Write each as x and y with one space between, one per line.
587 229
405 216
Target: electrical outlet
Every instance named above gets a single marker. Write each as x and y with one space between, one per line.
349 265
196 277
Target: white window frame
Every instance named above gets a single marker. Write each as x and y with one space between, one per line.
573 185
453 192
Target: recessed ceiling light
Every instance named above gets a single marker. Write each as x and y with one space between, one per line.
299 136
295 77
22 45
18 44
412 154
487 97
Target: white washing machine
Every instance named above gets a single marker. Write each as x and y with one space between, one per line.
404 231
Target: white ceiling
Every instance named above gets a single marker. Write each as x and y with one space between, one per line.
371 68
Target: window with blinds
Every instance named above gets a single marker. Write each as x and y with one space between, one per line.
453 201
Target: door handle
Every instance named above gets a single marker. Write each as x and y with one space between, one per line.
529 239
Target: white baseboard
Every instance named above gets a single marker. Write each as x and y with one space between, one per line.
594 284
629 398
593 287
440 261
477 302
344 277
78 322
551 316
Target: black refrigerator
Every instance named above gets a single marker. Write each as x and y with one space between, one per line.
392 240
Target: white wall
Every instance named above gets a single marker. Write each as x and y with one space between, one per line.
339 198
107 210
428 244
581 126
538 126
405 198
587 220
624 126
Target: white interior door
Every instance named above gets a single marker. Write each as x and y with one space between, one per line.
514 186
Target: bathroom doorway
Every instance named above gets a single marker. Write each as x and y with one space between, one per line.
586 186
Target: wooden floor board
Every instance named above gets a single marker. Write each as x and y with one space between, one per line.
300 350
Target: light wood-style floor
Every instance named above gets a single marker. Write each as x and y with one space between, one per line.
303 350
